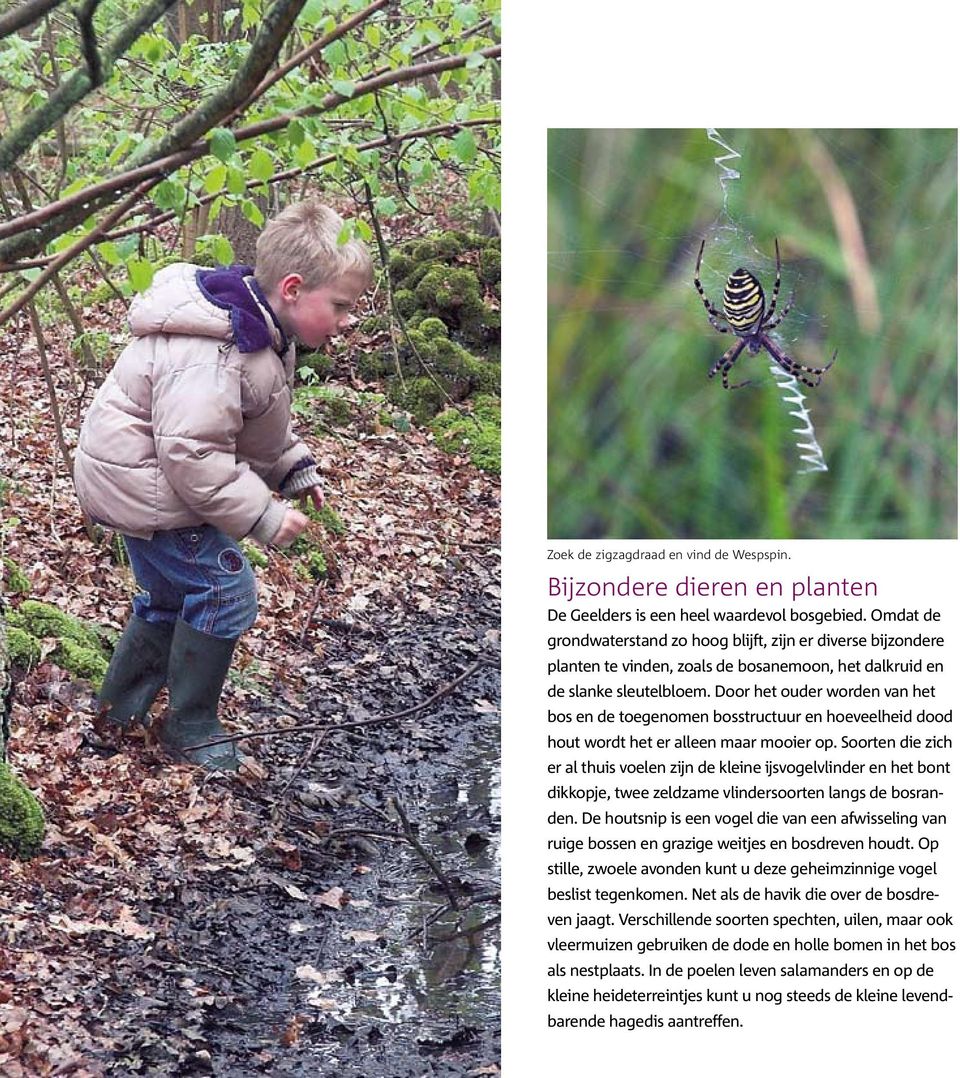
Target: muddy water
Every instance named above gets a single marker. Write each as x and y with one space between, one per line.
430 987
259 973
452 965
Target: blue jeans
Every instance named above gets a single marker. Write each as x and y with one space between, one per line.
197 574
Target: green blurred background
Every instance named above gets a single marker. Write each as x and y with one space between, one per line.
642 444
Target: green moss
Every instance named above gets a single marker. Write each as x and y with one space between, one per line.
21 817
432 328
43 620
254 555
484 376
329 518
15 580
319 363
490 266
406 301
476 435
401 266
375 324
24 649
419 396
442 286
450 244
80 647
372 366
334 407
445 291
324 405
84 662
312 566
416 275
423 250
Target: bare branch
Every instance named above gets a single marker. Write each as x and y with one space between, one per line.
276 26
70 211
92 237
76 86
88 39
289 174
319 45
25 14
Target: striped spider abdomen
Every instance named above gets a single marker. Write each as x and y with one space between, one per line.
742 301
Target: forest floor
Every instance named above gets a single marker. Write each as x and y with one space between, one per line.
334 907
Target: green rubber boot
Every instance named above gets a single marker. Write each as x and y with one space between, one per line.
198 669
136 672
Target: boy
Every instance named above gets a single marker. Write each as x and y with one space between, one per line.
184 447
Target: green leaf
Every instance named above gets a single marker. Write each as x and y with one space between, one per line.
127 246
78 185
125 144
386 206
306 153
364 230
295 133
465 146
261 166
223 143
343 87
215 179
140 273
109 253
236 180
475 59
223 250
466 14
335 53
169 195
313 11
252 212
251 13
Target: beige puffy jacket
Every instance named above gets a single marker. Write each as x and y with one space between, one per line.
187 429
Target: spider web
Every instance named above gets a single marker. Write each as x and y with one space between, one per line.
727 231
730 242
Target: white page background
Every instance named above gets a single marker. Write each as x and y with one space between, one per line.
617 65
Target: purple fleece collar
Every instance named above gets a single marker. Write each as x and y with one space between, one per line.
230 290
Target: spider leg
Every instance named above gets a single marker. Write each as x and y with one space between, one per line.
711 310
776 286
792 367
726 361
780 317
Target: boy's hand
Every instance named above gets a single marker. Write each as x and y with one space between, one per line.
315 494
293 524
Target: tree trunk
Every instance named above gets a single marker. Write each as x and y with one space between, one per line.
243 233
21 818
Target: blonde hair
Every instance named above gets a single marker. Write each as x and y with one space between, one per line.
303 239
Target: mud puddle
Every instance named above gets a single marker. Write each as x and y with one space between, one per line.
370 947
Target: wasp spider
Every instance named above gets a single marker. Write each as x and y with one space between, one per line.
748 317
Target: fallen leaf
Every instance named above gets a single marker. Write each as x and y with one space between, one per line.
360 936
252 769
335 898
291 1035
316 976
